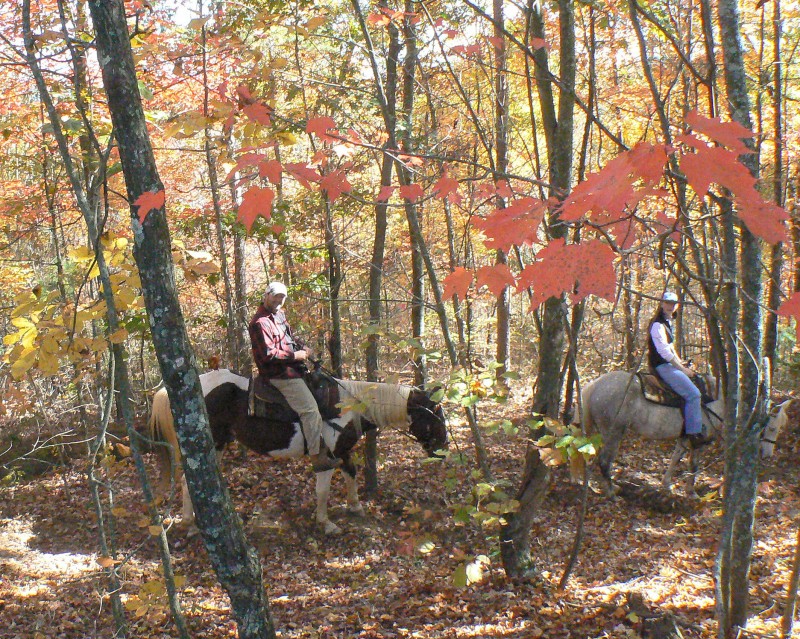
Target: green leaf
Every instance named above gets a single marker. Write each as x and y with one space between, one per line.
146 93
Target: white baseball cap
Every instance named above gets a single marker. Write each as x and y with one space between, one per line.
277 288
669 296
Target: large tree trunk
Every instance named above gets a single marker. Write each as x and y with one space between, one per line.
741 459
235 562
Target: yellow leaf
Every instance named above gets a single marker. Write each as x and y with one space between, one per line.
198 23
29 338
50 345
13 338
315 22
81 254
118 336
154 587
286 137
22 322
105 562
278 63
180 581
94 271
154 530
23 364
48 363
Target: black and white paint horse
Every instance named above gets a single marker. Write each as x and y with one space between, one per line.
614 404
366 406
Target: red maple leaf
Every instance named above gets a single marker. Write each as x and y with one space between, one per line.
791 308
728 134
272 170
149 201
446 188
412 192
321 126
495 278
457 283
715 164
515 225
258 112
303 173
256 201
580 269
385 193
762 218
504 189
335 183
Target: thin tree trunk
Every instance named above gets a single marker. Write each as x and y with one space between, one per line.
776 258
236 563
502 353
742 456
514 535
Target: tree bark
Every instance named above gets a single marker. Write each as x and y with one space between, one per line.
558 126
236 563
741 458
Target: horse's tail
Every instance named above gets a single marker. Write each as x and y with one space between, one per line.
585 414
161 428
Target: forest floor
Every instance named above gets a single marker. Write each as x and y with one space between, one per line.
391 573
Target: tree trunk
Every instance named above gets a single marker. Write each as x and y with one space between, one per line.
515 544
236 563
742 455
502 353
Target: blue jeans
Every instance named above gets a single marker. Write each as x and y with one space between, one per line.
678 381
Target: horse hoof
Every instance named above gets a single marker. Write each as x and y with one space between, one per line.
356 512
331 529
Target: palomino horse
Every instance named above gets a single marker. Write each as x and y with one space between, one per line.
367 406
614 402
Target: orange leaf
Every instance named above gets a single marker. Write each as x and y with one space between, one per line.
559 266
272 170
258 113
791 308
457 283
149 201
728 134
446 188
321 126
515 225
385 193
496 278
412 192
303 173
335 183
257 201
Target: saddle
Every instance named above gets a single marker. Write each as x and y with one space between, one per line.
264 400
656 391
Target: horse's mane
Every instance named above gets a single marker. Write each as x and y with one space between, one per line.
384 404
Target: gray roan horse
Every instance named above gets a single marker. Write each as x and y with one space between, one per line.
367 406
614 403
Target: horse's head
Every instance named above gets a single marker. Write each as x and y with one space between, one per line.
428 423
778 417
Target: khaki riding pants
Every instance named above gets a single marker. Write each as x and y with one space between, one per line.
303 403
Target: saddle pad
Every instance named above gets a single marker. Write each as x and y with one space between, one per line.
266 400
654 390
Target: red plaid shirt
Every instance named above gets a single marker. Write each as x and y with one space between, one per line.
273 345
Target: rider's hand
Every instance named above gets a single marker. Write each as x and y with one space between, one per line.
300 356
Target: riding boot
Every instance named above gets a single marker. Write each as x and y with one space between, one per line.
324 459
698 440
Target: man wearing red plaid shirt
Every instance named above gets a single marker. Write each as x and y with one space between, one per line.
279 356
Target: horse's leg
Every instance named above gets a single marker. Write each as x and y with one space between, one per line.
605 460
188 509
323 491
354 506
694 463
677 455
